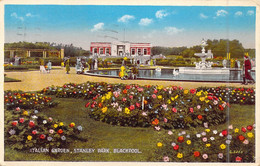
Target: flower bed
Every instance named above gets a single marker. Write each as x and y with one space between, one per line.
233 95
27 100
25 129
229 145
86 90
170 107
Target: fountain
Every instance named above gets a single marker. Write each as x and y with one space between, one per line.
204 67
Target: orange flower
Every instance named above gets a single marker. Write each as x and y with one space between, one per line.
125 91
200 117
145 102
180 139
155 122
196 154
60 131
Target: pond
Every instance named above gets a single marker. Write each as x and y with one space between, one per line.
167 74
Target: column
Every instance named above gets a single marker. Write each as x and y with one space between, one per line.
28 53
62 53
11 53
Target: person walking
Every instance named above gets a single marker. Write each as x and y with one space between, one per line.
67 66
49 67
247 71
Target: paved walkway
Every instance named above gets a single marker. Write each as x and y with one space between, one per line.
34 80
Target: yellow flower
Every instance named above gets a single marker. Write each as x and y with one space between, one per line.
198 93
180 155
61 124
104 109
250 135
160 87
220 98
159 144
207 130
186 91
108 96
127 110
244 94
29 137
55 125
208 145
202 98
125 58
176 96
206 101
236 130
222 146
188 142
169 101
25 112
159 97
172 98
103 98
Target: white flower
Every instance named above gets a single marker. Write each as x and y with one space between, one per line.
170 132
179 134
188 136
183 132
228 142
34 117
215 131
173 144
229 137
198 135
203 133
230 127
44 121
212 138
220 134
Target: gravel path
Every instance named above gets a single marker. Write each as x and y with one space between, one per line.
34 80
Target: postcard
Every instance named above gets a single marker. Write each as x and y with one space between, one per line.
129 83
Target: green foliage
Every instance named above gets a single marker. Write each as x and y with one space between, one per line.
21 67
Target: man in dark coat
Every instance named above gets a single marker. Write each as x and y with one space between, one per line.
247 69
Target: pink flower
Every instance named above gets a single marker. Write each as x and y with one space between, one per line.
164 106
131 97
157 128
18 109
220 155
181 88
50 119
246 142
144 114
165 120
140 89
230 127
124 99
204 139
155 91
174 110
205 156
170 132
154 96
116 94
166 159
137 104
198 106
51 131
215 102
34 132
191 110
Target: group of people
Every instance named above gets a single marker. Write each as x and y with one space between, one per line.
47 68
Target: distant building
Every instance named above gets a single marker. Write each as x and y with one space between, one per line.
117 48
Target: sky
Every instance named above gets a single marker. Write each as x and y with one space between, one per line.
170 26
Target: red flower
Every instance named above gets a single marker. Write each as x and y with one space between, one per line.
238 159
155 122
42 136
200 117
60 131
127 86
155 91
192 91
87 104
241 137
210 97
174 87
124 99
34 132
196 154
224 132
125 91
221 107
14 123
174 110
92 105
176 147
249 127
154 96
138 104
21 120
132 107
131 97
31 124
243 129
180 139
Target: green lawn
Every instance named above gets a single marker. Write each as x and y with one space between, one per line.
102 135
7 79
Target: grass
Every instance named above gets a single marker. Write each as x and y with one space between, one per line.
102 135
7 79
